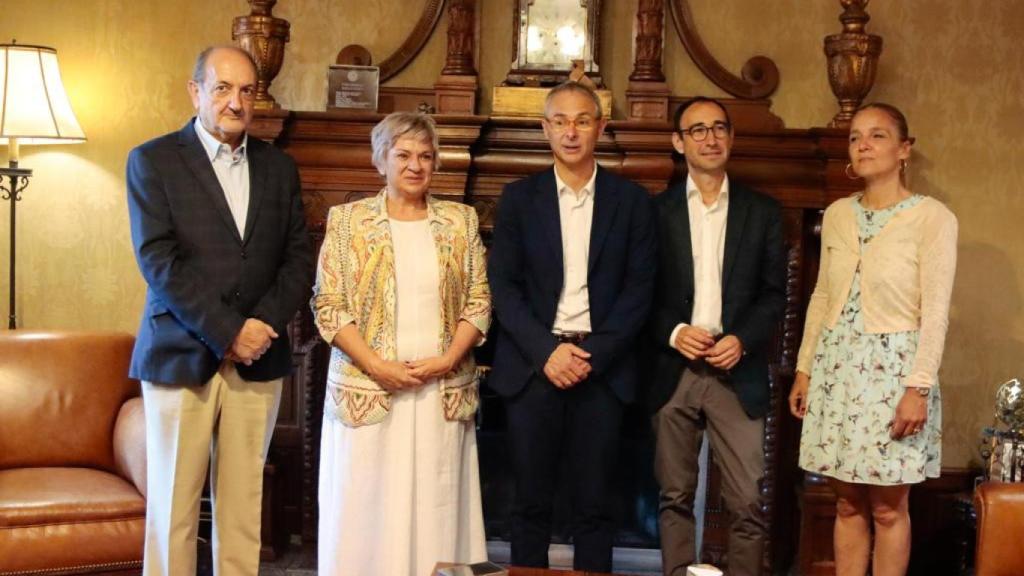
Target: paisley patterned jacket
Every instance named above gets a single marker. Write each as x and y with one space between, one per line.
355 283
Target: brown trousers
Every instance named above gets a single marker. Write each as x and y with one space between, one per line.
703 400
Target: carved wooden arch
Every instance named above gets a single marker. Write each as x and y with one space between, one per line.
414 43
760 75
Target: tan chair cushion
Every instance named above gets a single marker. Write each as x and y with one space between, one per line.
69 518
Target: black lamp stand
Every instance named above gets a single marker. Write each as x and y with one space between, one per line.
17 179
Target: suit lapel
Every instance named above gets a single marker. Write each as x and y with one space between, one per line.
677 230
199 164
257 183
606 200
734 224
546 200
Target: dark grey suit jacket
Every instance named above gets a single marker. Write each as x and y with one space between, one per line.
204 279
753 290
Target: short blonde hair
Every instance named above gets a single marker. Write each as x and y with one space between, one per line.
398 125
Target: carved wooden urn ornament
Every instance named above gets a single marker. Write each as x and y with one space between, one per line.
852 60
263 36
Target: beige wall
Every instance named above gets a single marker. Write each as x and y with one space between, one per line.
952 65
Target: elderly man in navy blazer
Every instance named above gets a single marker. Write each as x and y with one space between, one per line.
571 272
220 238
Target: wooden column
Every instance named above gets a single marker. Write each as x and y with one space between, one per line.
457 86
647 95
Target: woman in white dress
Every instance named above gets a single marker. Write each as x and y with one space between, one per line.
402 296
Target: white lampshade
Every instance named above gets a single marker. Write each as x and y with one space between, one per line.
34 107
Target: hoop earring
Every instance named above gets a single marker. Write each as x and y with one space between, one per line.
847 171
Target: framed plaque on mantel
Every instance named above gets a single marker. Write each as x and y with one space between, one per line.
352 87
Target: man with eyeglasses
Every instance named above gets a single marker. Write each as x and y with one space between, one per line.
719 296
571 272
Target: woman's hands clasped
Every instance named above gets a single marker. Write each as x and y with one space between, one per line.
434 367
396 376
393 376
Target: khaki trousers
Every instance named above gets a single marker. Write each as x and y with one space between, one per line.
225 427
704 401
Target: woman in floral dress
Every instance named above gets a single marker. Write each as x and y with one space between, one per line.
866 384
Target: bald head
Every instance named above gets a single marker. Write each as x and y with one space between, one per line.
199 70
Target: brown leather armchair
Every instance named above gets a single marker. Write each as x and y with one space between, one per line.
72 454
1000 545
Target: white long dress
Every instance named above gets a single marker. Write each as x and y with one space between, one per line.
399 496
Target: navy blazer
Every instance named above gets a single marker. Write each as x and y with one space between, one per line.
753 290
204 279
525 270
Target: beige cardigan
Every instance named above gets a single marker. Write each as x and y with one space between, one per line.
906 275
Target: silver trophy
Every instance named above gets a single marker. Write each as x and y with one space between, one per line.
1002 447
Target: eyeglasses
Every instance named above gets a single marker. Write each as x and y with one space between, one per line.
582 123
699 132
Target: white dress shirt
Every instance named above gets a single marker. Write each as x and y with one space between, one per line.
232 170
707 237
576 212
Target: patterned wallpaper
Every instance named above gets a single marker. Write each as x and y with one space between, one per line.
953 66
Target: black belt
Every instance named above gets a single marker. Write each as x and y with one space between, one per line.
576 338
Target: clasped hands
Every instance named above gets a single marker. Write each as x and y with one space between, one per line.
395 376
697 343
567 366
251 342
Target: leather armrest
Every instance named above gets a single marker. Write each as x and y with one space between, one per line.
1000 509
130 443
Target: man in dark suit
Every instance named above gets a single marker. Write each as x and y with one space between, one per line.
220 238
719 297
571 272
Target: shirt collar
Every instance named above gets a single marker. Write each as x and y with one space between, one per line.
587 190
215 148
691 188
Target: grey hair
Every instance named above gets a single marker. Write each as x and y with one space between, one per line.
570 86
398 125
199 71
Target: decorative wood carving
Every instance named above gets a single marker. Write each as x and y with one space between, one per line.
852 60
760 76
461 24
414 43
456 89
647 95
650 27
263 36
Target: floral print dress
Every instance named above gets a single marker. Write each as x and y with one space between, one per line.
856 383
